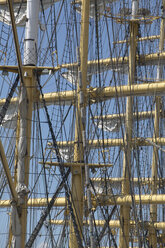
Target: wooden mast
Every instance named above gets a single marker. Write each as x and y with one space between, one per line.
156 134
17 236
78 175
125 210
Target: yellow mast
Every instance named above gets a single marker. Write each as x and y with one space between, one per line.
17 236
125 210
78 172
156 134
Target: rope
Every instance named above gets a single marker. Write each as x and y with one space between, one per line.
62 171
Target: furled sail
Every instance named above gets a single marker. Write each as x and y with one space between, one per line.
109 125
96 7
19 12
10 120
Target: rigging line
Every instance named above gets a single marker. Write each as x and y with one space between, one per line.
8 81
129 173
98 58
136 155
106 225
31 191
46 185
46 212
68 186
54 30
109 229
61 114
7 32
8 99
62 171
93 185
19 9
62 124
95 131
47 80
75 22
142 240
55 33
96 231
113 239
16 41
3 179
43 12
63 120
62 236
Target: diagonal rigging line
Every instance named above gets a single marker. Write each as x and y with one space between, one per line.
62 236
107 220
54 29
62 171
45 213
45 178
8 99
16 41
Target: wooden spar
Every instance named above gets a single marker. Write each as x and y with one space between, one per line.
76 164
139 116
135 181
153 37
77 172
126 90
127 200
135 142
37 202
125 210
116 224
155 156
102 200
142 60
96 94
148 59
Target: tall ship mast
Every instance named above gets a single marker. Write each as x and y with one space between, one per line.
82 135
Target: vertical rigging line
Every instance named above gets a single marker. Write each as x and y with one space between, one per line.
62 171
46 186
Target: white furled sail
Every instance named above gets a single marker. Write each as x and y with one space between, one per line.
67 154
96 7
109 125
20 12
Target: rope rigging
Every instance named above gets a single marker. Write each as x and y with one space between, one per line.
62 171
